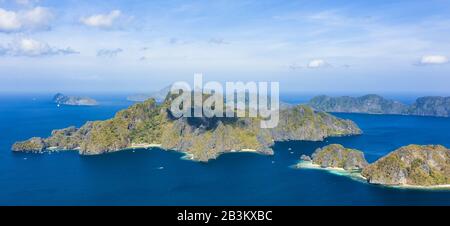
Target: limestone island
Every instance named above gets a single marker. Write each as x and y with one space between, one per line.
374 104
412 166
200 138
62 99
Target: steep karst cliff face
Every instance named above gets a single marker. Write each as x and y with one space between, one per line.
431 106
420 165
371 104
412 165
336 156
374 104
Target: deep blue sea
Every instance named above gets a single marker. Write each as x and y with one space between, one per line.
157 177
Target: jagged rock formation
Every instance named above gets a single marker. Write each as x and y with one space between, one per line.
374 104
336 156
62 99
305 158
34 144
412 165
201 138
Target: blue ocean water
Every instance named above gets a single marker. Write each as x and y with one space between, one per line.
156 177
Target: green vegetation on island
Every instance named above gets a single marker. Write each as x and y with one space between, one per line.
336 156
149 123
415 165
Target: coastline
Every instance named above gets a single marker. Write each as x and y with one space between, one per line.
144 145
190 156
133 146
355 175
245 150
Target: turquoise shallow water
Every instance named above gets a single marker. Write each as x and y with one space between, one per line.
136 178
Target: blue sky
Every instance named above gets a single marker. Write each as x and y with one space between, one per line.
308 46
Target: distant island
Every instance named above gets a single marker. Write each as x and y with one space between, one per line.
375 104
415 166
149 124
62 99
159 96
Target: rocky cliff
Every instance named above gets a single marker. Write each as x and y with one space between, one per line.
201 138
374 104
371 104
431 106
336 156
414 165
408 166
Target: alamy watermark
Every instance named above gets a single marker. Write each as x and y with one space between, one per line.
238 99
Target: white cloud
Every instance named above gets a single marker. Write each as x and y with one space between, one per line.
35 18
433 60
317 63
9 21
33 48
101 20
38 17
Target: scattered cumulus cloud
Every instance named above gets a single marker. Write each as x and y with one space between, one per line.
9 21
433 60
313 64
33 48
102 20
318 63
16 21
38 17
109 52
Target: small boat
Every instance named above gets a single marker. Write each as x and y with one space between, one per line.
161 167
